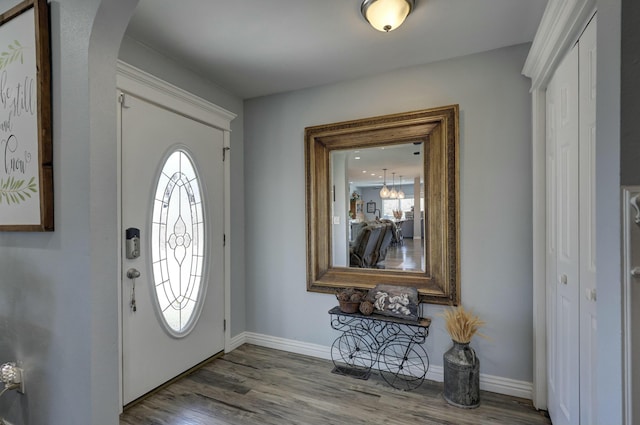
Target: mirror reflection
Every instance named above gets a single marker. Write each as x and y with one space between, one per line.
378 207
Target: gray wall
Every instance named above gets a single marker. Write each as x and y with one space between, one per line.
154 63
630 103
495 199
608 228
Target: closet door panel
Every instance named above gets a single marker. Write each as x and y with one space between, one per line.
564 396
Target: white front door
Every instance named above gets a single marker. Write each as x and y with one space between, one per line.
173 293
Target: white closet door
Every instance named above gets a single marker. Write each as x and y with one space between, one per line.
564 378
588 329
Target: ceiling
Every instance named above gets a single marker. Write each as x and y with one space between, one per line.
365 167
254 48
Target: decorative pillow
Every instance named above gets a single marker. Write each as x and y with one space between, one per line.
396 301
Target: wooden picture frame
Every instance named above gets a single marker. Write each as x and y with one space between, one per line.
438 130
26 169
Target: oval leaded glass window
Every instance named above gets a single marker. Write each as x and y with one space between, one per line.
177 243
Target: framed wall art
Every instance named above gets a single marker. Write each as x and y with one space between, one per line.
371 207
26 170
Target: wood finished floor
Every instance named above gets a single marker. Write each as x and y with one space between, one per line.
406 256
261 386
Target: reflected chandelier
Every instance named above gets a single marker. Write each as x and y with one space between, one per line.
384 192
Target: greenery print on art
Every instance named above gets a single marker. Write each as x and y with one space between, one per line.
14 191
14 52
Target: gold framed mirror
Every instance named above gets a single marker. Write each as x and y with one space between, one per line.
328 149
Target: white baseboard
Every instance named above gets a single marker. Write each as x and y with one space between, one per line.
435 373
492 383
507 386
292 346
235 342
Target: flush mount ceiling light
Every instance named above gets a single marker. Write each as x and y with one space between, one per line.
386 15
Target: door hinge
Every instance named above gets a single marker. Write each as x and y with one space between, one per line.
122 100
224 152
224 239
224 325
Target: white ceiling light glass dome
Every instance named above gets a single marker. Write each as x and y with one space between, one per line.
386 15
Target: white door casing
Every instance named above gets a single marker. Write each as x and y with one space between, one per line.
587 232
561 26
145 86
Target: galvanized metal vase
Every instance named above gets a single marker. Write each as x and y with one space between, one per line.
461 376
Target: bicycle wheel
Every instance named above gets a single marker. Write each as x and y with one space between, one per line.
351 355
403 365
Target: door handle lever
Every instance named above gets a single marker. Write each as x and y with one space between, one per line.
133 274
635 272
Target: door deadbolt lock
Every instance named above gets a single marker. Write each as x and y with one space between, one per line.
132 244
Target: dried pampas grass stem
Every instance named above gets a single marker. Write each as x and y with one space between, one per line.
461 324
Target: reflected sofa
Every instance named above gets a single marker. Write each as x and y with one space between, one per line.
371 244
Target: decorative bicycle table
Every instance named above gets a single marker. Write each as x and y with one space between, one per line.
391 345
